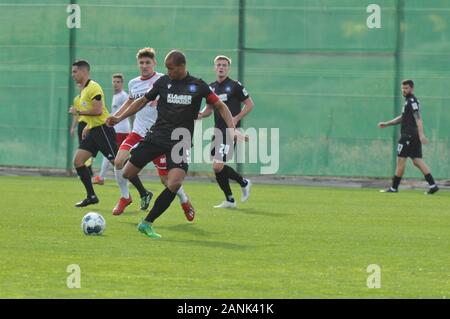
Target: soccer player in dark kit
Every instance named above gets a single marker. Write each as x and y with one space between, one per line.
411 140
180 98
233 94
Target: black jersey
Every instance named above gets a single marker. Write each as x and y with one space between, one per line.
409 125
178 106
232 93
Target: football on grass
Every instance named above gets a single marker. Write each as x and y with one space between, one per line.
93 224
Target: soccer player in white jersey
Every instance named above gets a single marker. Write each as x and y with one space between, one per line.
144 119
122 129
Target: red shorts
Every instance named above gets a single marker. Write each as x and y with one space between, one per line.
161 165
120 137
132 140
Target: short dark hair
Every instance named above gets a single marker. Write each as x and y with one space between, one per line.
146 53
118 76
408 82
82 64
177 57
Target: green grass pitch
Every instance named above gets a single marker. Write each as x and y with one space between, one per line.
285 242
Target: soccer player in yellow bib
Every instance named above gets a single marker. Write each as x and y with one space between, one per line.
96 136
78 123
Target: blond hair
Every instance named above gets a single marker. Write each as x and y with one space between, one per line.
222 57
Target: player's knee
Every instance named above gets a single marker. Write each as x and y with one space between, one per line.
127 174
77 162
173 186
217 167
118 163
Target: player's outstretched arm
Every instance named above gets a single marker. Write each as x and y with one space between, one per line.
124 107
395 121
132 109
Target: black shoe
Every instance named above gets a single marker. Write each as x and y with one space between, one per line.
432 190
87 201
389 190
145 200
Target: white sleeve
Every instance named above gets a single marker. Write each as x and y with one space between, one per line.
124 98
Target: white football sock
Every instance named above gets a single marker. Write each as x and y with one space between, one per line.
105 167
122 182
182 195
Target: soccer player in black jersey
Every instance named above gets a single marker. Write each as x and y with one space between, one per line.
233 94
180 97
411 139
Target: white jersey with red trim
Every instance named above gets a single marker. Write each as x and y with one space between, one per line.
146 117
117 101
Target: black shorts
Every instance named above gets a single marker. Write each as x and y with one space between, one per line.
222 145
80 128
409 146
103 139
147 150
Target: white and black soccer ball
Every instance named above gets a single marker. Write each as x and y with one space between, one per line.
93 224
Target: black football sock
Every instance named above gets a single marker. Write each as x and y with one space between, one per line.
396 182
429 178
161 204
235 176
91 173
136 181
83 173
224 184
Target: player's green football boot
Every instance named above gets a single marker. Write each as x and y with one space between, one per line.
147 229
145 200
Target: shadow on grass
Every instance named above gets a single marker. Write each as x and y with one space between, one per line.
208 244
192 229
182 228
252 211
188 228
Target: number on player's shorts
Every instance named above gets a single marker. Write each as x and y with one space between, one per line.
224 149
399 148
188 155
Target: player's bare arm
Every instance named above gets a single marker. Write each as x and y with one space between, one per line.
85 132
74 124
124 107
228 118
395 121
207 111
132 109
225 113
419 123
248 107
97 109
